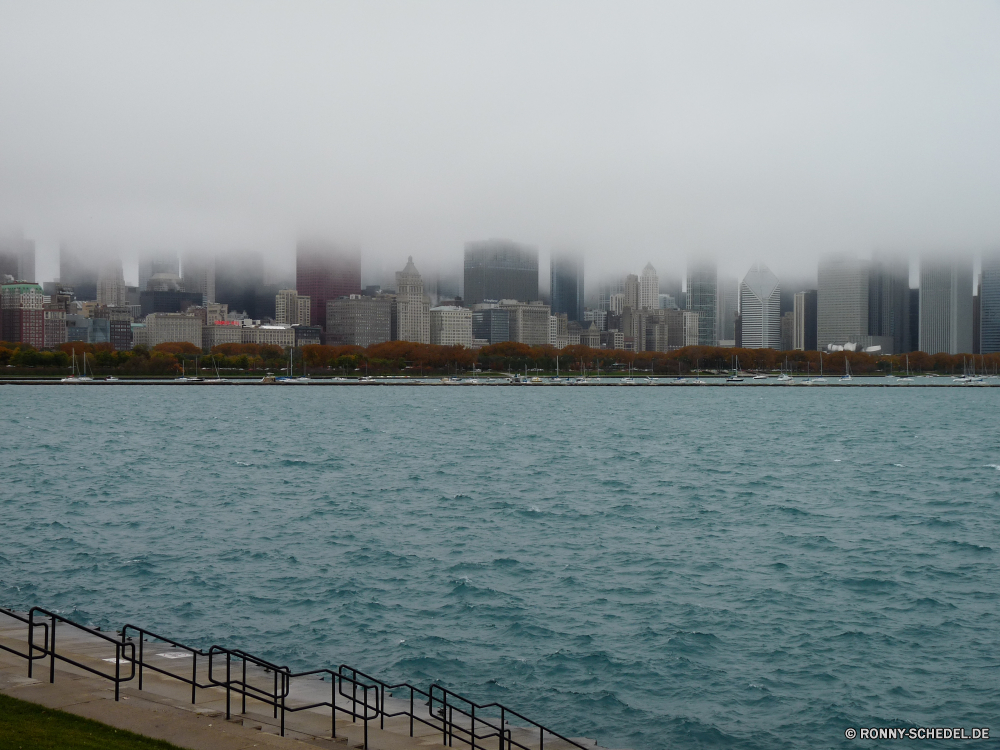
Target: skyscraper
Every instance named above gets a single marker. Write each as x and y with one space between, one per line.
946 305
111 284
702 298
324 272
151 264
500 269
649 289
566 285
78 271
17 257
412 307
841 301
291 308
728 307
804 333
760 306
888 302
631 287
199 275
989 305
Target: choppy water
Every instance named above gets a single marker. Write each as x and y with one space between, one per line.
682 568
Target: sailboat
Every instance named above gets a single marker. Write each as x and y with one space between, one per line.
735 377
74 376
847 370
906 379
183 378
820 379
784 377
217 380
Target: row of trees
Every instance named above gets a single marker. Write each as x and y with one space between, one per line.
404 357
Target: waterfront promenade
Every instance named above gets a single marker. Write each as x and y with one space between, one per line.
164 709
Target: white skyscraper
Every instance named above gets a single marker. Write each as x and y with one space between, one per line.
412 307
760 308
649 289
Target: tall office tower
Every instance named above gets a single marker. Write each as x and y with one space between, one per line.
788 331
412 307
841 301
760 305
702 298
631 287
728 307
78 271
649 289
528 322
500 269
111 284
22 315
151 264
804 333
17 257
989 305
946 305
199 276
291 308
914 320
888 302
325 271
566 285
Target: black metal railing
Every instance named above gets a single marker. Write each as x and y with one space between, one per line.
49 648
457 718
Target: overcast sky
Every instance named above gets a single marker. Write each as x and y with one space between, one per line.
633 131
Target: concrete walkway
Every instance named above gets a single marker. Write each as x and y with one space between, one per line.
163 708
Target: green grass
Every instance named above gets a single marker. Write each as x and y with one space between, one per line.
25 726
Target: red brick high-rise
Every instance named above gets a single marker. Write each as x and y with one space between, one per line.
324 272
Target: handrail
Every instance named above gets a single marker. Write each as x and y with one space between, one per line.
51 649
14 615
469 727
195 653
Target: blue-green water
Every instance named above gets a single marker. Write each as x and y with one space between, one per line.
682 568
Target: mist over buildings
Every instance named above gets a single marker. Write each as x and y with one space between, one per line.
632 132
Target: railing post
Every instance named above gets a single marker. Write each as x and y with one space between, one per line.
141 642
381 713
541 737
194 673
354 696
244 686
502 725
473 726
333 705
52 652
31 642
229 683
411 710
366 717
285 685
275 704
118 668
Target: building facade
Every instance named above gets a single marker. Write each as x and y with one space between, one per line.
989 304
163 328
412 306
649 289
566 285
111 285
22 318
451 326
528 323
490 324
199 276
760 306
888 302
358 320
841 301
17 257
500 269
702 298
292 308
946 305
326 272
804 327
728 303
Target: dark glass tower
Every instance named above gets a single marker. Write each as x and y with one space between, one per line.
566 278
500 269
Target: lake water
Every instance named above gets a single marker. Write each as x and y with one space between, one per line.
651 567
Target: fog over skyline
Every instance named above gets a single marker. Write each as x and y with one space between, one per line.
632 132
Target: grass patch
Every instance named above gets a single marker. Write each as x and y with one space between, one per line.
25 726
